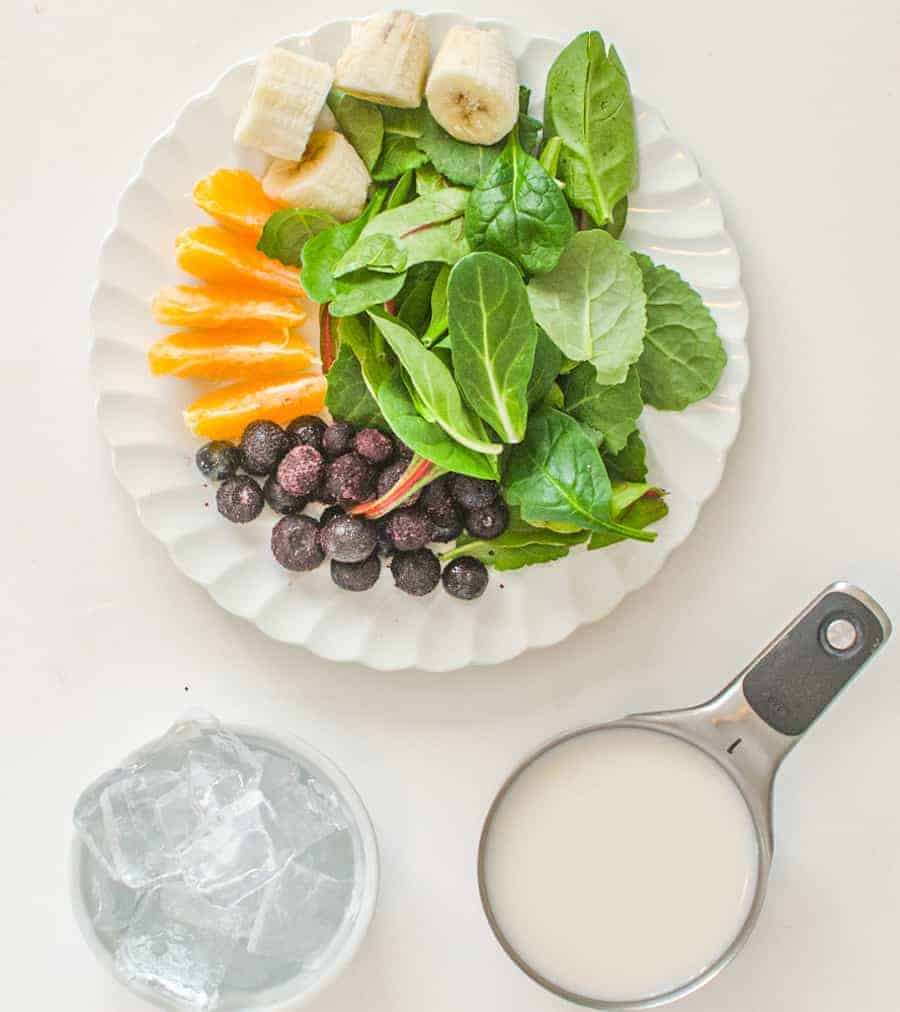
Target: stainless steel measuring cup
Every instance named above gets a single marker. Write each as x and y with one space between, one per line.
748 728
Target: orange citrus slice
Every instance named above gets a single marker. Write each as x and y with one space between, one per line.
215 254
223 306
226 412
236 199
231 353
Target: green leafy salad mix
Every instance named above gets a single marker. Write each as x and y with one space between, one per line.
484 310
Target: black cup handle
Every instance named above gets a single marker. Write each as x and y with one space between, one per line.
803 669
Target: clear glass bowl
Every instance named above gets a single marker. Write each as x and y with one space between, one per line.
298 990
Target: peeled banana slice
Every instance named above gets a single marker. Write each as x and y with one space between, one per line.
332 177
387 60
288 95
473 88
326 120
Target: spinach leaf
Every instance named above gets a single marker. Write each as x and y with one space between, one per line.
429 180
609 411
287 231
550 155
428 228
414 300
520 545
518 210
348 397
644 509
402 190
461 163
616 224
374 359
683 356
556 475
439 322
421 213
361 123
592 304
589 107
399 155
629 464
529 127
322 252
445 243
434 385
492 335
380 253
548 360
404 122
555 398
402 128
356 292
428 439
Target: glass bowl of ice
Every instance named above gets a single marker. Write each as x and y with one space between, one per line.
224 868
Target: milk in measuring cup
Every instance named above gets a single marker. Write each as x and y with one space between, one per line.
621 864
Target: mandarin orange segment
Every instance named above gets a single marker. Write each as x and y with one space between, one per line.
226 412
214 254
236 199
224 306
224 353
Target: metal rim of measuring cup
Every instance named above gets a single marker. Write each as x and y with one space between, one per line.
764 861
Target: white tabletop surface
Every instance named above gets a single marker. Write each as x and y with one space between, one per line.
792 109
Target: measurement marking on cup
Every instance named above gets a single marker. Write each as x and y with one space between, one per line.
734 745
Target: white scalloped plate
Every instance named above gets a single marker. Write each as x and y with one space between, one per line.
674 217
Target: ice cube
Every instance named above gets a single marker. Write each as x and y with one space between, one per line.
179 945
110 904
307 811
88 820
213 784
300 914
333 855
252 973
131 817
240 850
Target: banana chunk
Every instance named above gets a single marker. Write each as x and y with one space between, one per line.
387 60
473 88
287 96
332 177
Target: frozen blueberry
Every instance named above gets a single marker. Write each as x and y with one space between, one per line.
263 444
240 499
473 493
301 471
389 478
437 500
307 430
446 527
409 529
356 576
348 539
337 438
385 543
282 501
416 573
465 578
348 480
218 460
295 543
375 446
489 521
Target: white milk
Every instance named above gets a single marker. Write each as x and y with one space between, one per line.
621 864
